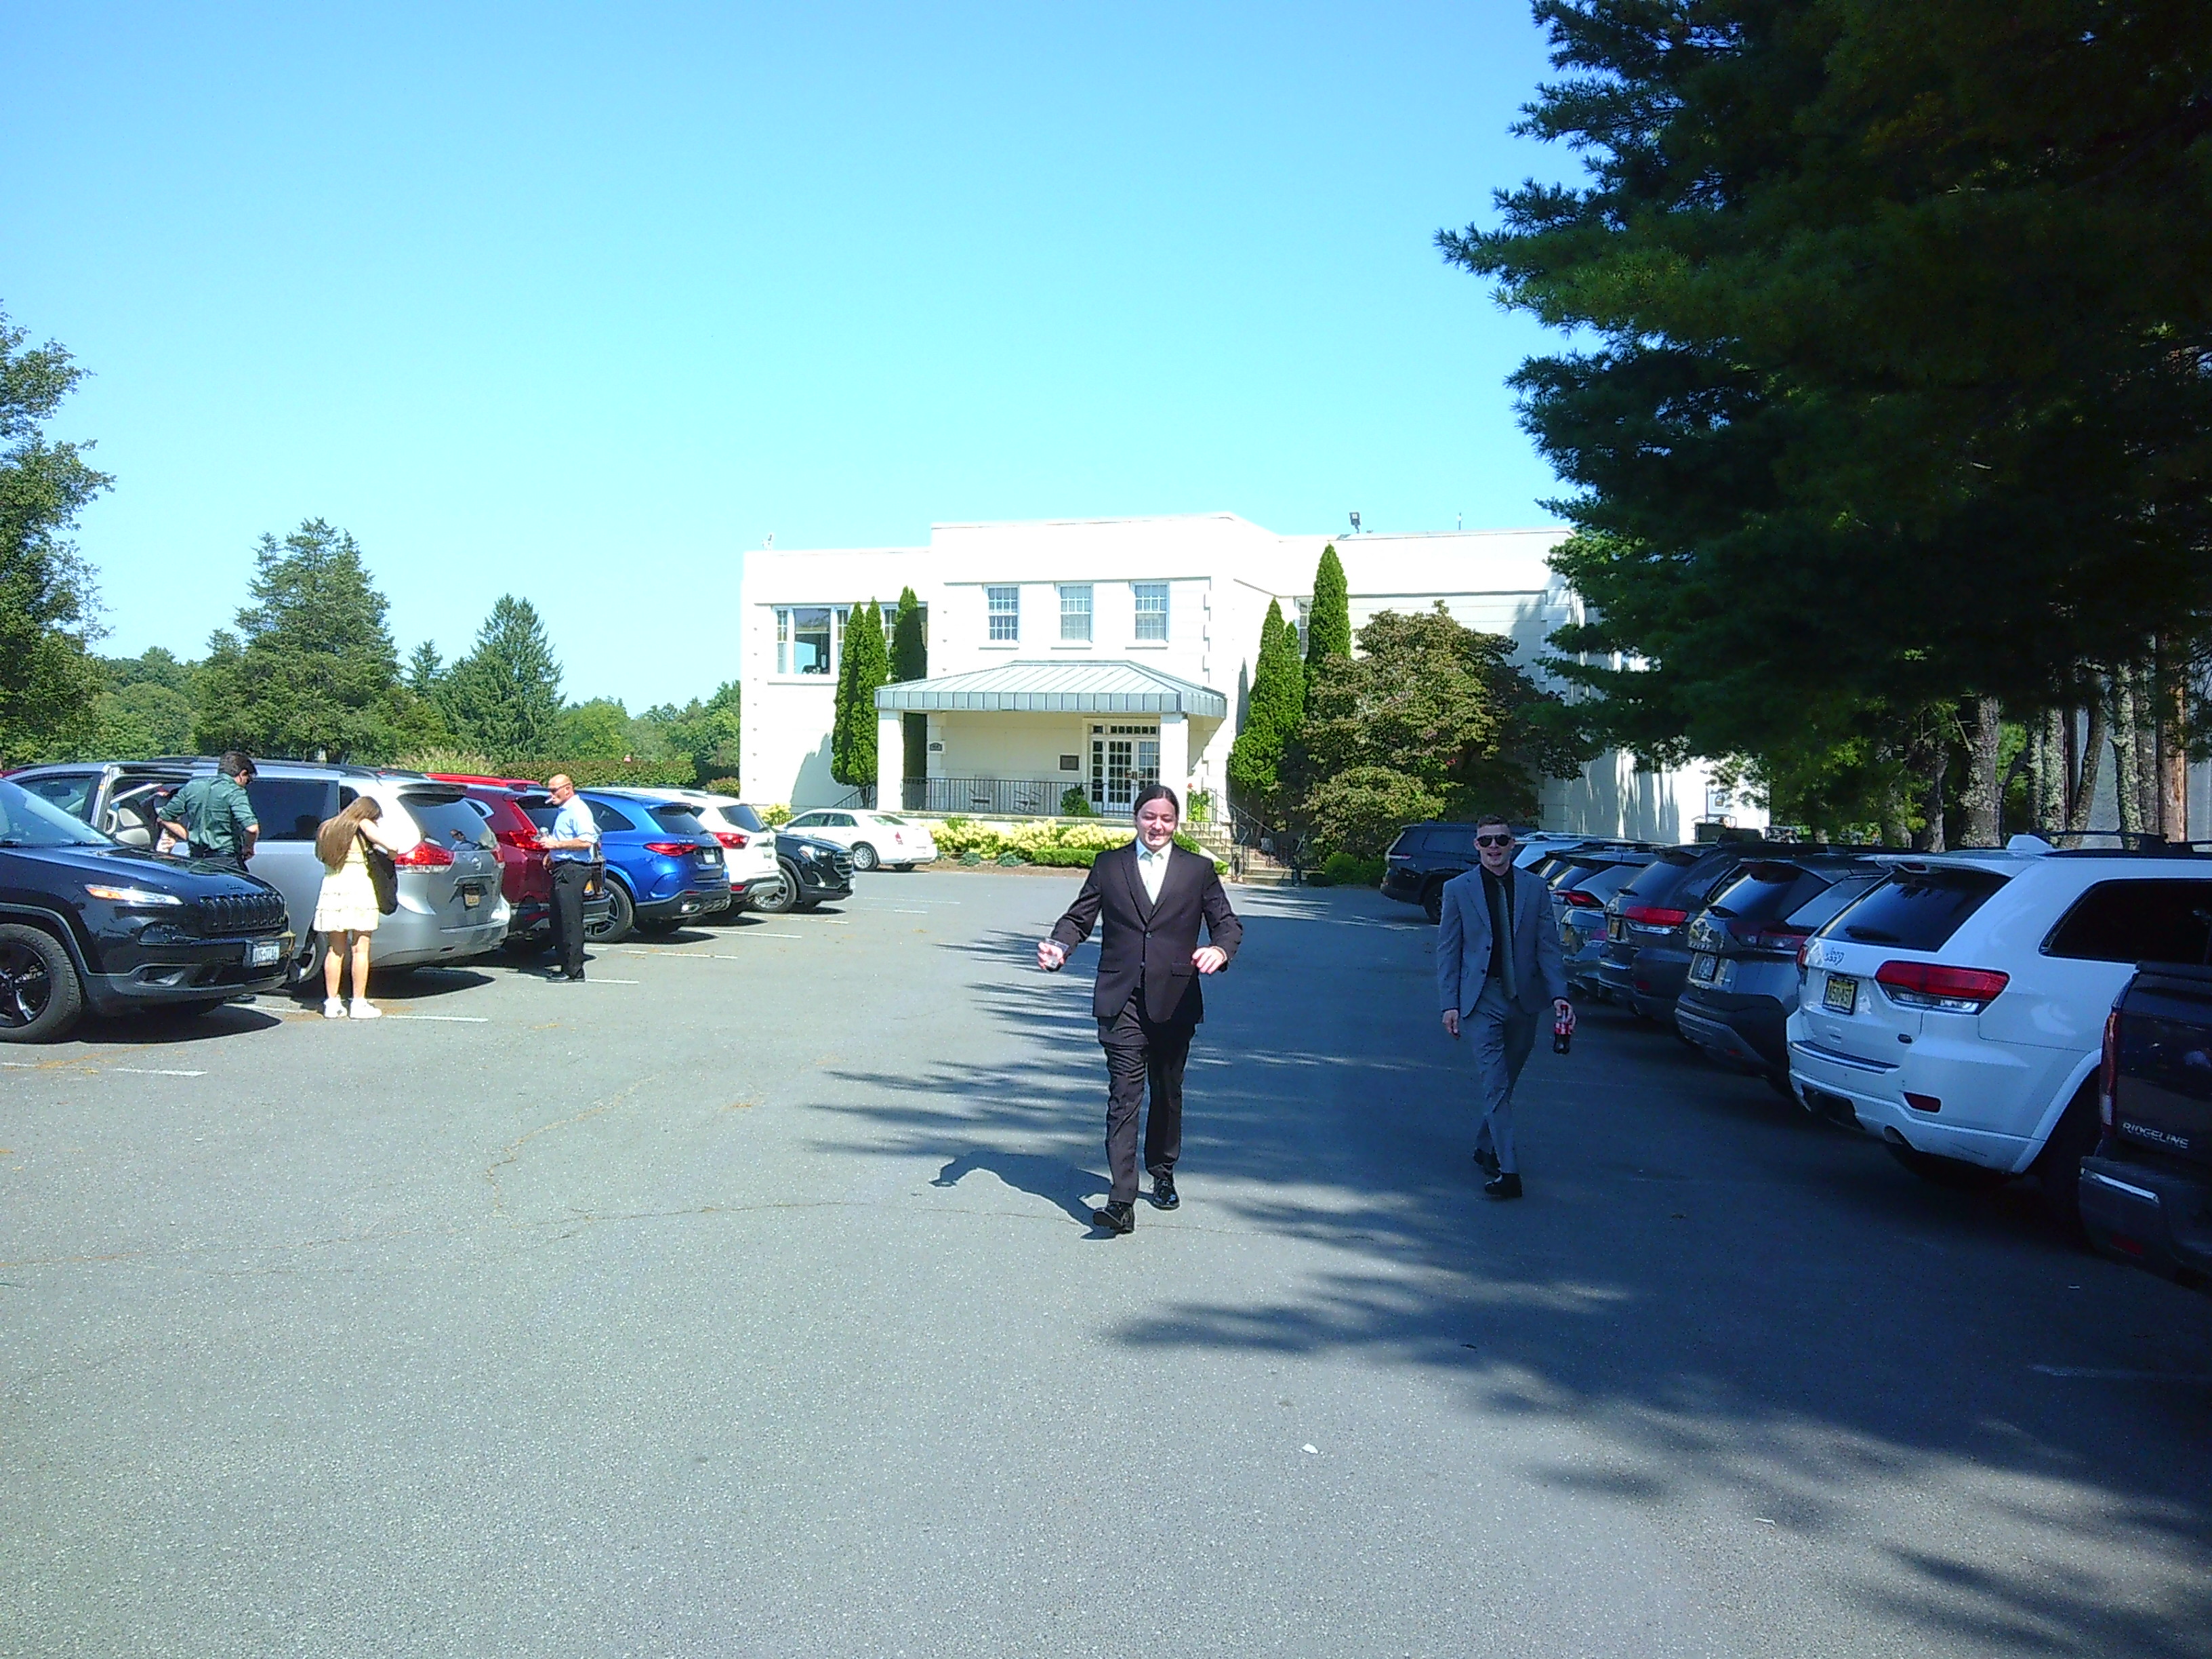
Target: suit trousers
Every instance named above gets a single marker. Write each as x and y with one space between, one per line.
1141 1052
569 877
1498 1035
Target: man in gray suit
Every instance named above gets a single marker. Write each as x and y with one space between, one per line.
1497 958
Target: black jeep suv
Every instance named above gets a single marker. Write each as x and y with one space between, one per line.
88 922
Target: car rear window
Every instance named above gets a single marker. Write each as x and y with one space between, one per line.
1657 879
608 817
540 811
1603 884
448 819
744 817
1410 841
1766 892
1824 907
292 809
682 820
2137 921
1917 910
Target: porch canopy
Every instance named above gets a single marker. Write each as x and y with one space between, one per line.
1055 688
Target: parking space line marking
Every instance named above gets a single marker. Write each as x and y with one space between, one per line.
21 1065
596 980
2100 1374
148 1070
453 1019
770 936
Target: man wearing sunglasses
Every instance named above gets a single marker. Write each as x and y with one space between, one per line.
1497 958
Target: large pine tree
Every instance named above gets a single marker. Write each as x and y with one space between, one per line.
503 699
1272 713
312 669
863 670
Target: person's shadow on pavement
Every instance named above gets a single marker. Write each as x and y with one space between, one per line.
1055 1180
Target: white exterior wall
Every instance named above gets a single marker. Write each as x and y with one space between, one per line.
1221 571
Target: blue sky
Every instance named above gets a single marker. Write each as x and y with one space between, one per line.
581 303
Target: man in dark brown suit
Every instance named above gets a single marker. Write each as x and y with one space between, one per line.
1151 895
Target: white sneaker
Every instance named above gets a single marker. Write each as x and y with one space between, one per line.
363 1009
334 1009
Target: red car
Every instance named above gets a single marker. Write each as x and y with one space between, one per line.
525 874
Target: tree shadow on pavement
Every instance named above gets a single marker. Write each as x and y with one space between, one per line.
1744 1303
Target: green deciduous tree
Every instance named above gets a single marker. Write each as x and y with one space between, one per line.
910 661
863 670
503 699
312 669
708 734
597 730
146 708
1274 709
1438 705
1900 386
48 676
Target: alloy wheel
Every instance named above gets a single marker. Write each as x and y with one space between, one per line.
26 987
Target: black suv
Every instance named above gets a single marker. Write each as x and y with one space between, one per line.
88 922
1427 855
2146 1193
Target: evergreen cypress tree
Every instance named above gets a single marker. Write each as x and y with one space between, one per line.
910 661
865 668
503 699
1273 715
1328 622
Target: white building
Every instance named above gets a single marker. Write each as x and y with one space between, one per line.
1094 653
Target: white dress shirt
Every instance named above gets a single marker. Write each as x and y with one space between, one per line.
1152 868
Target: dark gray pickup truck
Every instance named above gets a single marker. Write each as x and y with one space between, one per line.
2146 1194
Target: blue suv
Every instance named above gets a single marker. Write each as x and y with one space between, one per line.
663 868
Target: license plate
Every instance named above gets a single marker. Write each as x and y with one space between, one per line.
264 952
1841 994
471 897
1616 929
1702 966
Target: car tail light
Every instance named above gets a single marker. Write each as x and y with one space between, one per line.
1575 895
424 855
1931 985
523 841
2108 1070
1779 937
673 849
1923 1102
733 839
1804 948
1653 915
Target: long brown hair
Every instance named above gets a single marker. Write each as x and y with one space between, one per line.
335 837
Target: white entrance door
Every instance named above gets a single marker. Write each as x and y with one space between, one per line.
1123 760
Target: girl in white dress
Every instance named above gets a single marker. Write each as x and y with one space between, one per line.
345 910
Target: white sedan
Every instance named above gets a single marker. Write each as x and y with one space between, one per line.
874 839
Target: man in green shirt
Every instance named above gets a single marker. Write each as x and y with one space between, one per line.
215 815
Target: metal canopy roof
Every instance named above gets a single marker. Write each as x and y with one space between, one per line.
1056 688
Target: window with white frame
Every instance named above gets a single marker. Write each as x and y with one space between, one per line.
1006 609
1075 611
1151 610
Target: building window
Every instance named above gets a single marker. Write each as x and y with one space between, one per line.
803 639
1006 604
1151 610
1304 607
1075 611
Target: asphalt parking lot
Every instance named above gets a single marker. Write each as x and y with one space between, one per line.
744 1299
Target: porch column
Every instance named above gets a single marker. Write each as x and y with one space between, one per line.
890 761
1174 756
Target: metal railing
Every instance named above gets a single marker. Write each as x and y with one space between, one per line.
1248 836
998 797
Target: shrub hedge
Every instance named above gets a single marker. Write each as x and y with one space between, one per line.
1342 869
585 774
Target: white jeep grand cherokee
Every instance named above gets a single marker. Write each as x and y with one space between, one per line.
1956 1011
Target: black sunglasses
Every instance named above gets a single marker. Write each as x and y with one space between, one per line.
1494 841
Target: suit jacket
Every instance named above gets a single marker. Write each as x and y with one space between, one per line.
1146 943
1464 944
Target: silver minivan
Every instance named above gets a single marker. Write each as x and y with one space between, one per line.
451 907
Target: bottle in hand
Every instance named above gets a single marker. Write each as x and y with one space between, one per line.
1563 1033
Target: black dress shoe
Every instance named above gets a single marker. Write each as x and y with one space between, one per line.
1115 1218
1506 1185
576 978
1164 1192
1487 1159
